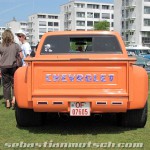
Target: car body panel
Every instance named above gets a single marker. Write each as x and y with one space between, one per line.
51 81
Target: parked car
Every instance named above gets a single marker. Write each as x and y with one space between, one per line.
141 54
143 62
142 51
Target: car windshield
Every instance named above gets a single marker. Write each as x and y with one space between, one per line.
103 44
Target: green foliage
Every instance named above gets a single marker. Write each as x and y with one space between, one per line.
73 46
102 25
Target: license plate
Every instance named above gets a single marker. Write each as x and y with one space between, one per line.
79 109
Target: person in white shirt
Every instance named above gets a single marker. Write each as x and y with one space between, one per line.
25 46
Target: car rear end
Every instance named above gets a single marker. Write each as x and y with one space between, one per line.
63 79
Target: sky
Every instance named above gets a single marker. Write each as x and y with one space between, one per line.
22 9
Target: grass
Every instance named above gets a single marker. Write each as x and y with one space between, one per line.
76 130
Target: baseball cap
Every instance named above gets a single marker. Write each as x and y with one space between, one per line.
21 32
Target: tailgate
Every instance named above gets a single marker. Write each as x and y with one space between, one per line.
80 78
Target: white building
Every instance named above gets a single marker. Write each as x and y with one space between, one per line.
15 26
41 23
80 15
132 21
2 29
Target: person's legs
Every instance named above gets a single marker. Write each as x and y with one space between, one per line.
12 83
6 86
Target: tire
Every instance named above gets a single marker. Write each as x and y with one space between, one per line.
27 117
133 118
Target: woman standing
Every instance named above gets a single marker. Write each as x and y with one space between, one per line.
8 51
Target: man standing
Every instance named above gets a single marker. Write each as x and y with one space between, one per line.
25 46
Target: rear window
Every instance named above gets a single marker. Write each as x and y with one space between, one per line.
103 44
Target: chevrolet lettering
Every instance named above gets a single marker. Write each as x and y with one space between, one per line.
79 77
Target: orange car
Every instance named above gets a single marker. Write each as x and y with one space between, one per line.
99 79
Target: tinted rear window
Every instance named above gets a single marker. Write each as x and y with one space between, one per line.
103 44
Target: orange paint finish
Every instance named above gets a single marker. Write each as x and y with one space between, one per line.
138 93
98 104
21 87
109 82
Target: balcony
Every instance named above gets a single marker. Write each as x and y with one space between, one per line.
131 16
130 4
130 28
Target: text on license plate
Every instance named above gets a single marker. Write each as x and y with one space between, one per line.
79 109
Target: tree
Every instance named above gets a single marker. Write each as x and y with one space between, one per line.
102 25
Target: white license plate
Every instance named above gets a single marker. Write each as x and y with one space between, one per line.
79 109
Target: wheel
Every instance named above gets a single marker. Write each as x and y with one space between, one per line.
133 118
27 117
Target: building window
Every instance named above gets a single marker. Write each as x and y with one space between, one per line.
23 24
146 10
122 24
89 15
105 6
95 6
90 23
52 17
50 23
42 30
112 24
81 14
146 22
122 2
127 25
105 16
42 23
89 6
123 13
56 29
50 29
96 15
56 24
131 21
92 6
146 0
80 23
127 37
146 40
41 16
79 5
131 33
127 13
145 34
